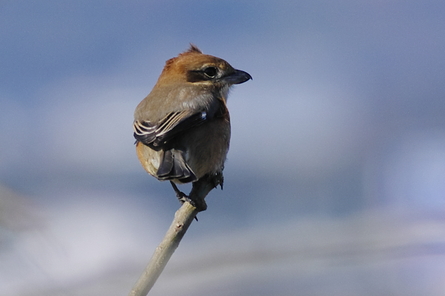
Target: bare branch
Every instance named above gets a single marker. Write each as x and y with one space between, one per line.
183 218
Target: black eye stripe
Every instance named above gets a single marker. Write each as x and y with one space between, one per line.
196 76
205 74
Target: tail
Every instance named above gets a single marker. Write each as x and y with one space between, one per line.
173 166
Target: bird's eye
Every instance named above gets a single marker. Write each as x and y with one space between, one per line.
210 72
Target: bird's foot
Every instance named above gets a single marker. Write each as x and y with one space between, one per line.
199 205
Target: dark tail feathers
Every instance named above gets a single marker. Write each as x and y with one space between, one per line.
173 166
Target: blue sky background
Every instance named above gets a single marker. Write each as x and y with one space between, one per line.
337 144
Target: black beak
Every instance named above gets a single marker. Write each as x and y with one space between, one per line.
237 77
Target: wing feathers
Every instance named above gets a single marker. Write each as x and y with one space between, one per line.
156 135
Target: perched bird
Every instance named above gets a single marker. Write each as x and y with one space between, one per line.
182 128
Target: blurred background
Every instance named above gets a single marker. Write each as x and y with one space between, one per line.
334 184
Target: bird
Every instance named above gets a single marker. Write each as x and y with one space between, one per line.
182 127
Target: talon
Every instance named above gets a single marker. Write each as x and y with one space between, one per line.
182 197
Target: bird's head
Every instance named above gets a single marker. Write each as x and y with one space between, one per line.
195 67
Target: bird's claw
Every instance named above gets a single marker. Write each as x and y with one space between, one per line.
182 197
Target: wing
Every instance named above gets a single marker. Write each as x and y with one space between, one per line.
156 135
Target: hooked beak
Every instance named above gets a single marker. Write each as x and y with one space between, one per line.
237 77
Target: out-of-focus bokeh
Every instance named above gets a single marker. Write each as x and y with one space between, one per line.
334 184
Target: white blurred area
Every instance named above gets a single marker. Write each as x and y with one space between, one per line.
334 184
94 248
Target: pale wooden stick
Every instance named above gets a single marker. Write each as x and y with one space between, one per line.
183 218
